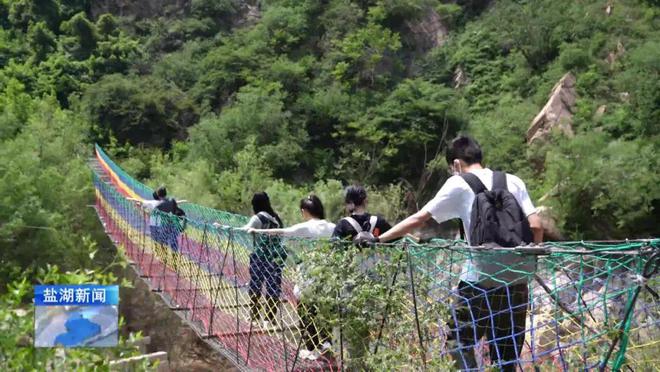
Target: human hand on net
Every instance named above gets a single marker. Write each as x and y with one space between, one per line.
365 239
297 292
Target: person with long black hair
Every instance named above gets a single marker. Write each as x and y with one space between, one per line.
316 338
315 225
266 260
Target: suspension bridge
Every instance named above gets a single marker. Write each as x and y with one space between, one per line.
589 305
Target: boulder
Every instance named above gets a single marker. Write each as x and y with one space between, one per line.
550 230
557 112
613 56
428 31
460 78
602 109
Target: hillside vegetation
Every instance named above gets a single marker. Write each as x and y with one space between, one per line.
221 98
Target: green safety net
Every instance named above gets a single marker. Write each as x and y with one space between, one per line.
295 304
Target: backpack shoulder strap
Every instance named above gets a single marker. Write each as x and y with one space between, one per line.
372 223
499 181
354 223
166 205
474 182
265 217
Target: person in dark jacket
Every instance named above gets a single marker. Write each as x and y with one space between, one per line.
358 219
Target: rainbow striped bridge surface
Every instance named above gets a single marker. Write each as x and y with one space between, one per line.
560 306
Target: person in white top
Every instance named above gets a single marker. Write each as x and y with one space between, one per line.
314 227
484 309
316 339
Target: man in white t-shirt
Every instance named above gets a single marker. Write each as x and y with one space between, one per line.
484 307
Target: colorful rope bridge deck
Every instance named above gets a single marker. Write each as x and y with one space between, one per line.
560 306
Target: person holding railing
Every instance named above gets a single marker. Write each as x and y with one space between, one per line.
358 220
316 339
166 221
359 224
266 260
496 210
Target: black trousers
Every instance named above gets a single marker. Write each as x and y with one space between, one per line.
499 314
264 272
313 335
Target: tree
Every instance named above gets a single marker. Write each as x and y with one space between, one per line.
15 109
604 188
218 10
258 113
226 68
138 110
359 54
24 12
71 7
42 41
107 26
83 36
396 139
45 180
284 27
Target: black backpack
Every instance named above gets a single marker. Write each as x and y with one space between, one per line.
170 206
360 233
270 247
496 216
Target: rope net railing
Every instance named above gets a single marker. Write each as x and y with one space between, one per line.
294 304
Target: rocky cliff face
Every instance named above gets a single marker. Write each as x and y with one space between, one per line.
428 32
139 9
557 112
144 311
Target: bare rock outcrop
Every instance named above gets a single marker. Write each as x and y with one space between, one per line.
614 55
139 9
557 112
460 78
428 31
550 230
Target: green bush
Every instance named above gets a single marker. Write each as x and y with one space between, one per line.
594 177
137 110
574 57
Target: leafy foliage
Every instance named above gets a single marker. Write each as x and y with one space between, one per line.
121 109
356 294
222 99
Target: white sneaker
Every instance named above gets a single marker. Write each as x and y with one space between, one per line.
309 354
304 353
326 346
270 325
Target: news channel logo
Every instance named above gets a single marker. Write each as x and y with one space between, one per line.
76 315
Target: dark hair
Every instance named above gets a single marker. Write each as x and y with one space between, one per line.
160 193
313 205
261 203
355 194
464 148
